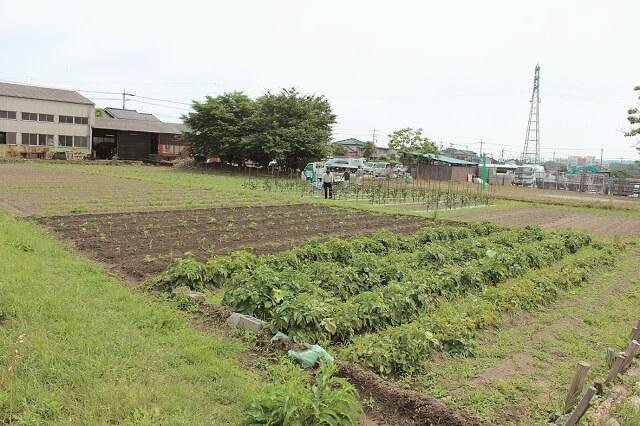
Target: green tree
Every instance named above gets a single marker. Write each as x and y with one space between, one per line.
633 116
100 112
219 126
369 150
338 150
291 128
407 139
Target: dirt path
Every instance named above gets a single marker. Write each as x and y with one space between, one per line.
603 225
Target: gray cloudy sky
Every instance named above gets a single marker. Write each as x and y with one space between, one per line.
461 70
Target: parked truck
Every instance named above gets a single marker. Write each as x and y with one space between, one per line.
528 175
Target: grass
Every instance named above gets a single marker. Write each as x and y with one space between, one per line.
522 371
93 352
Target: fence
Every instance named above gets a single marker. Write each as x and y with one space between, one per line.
442 172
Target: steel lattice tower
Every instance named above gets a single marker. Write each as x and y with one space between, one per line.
531 151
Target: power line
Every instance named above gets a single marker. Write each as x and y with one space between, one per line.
158 105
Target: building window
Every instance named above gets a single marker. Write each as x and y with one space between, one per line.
81 120
65 119
8 138
45 117
45 140
29 139
29 116
80 141
65 140
9 115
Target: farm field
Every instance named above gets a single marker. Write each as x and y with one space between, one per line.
567 198
460 323
606 224
141 244
427 308
36 190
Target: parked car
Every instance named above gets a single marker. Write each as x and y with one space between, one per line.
381 169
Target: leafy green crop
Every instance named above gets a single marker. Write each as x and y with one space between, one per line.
330 400
453 325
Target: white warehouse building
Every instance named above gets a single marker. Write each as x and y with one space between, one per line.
38 121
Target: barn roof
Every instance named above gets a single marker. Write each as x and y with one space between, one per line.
147 126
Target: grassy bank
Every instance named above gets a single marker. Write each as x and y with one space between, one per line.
93 352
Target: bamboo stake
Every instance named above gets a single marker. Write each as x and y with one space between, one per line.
617 364
582 407
576 386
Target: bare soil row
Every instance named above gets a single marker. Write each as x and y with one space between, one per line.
142 244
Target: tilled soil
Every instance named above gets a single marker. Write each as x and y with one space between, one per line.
141 244
404 407
556 218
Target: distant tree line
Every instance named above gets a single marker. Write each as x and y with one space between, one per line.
288 127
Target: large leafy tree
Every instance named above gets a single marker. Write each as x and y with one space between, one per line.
633 116
410 140
219 126
291 128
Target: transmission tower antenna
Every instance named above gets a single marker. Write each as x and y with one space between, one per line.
531 150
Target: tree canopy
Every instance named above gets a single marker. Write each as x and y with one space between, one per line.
288 127
408 139
633 116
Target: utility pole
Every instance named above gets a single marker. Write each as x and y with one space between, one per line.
531 154
554 156
124 93
601 151
481 144
373 138
502 155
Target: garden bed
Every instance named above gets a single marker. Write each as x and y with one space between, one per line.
144 243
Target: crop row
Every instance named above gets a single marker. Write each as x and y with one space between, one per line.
239 269
452 326
309 315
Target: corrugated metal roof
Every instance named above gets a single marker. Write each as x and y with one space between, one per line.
130 114
109 123
443 159
42 93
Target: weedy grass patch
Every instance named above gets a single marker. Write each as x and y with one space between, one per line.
78 347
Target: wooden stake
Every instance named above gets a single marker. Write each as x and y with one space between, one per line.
576 386
635 332
582 407
617 365
630 353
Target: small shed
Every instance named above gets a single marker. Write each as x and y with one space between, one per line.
440 167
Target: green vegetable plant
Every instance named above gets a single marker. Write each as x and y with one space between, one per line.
329 400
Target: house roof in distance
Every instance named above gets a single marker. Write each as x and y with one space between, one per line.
42 93
129 114
350 141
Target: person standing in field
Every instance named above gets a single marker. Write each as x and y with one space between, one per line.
327 183
359 176
345 178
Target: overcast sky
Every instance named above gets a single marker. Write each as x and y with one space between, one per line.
461 70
